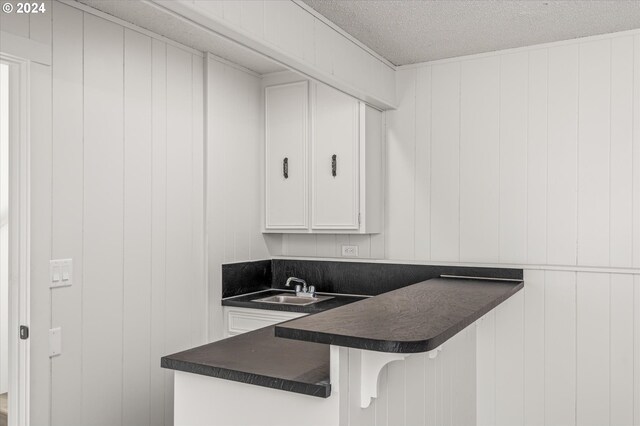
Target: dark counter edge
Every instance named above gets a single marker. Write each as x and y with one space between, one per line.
387 345
321 391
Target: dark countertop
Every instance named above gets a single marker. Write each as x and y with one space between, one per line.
259 358
246 301
416 318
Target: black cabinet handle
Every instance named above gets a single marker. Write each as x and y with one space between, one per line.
334 164
285 167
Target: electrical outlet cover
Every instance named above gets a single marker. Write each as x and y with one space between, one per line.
350 251
55 342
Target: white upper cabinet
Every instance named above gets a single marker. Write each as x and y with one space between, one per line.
325 177
287 140
334 152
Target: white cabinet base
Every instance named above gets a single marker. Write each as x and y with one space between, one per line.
242 320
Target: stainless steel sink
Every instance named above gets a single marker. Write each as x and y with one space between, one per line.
288 299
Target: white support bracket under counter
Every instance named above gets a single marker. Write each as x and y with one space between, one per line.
371 364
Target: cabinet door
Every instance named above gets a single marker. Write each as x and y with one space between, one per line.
335 141
286 110
242 320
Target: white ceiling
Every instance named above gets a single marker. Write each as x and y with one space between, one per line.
407 32
155 19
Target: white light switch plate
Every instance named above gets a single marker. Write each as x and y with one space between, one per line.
350 251
60 273
55 342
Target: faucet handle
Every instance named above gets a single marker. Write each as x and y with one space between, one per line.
312 290
298 288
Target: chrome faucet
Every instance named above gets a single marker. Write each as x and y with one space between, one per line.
301 290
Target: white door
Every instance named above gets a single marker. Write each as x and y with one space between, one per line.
286 156
335 144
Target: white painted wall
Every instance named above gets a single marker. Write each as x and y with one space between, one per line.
530 158
117 185
234 176
4 228
127 205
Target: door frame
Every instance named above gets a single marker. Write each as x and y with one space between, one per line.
19 237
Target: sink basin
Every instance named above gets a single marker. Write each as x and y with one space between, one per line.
288 299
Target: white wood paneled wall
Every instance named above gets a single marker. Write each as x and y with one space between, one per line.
418 391
528 157
117 185
234 177
563 352
290 33
40 311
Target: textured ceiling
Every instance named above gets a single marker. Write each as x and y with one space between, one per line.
152 18
407 32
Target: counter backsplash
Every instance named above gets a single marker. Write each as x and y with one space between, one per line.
364 278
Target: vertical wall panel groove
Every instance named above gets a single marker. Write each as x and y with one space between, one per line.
537 158
400 157
479 160
636 348
103 226
486 372
509 352
396 393
215 214
514 101
67 207
594 124
560 347
534 347
621 159
158 231
430 391
198 167
636 152
621 310
382 400
562 116
137 228
422 164
593 328
179 303
445 134
415 389
41 243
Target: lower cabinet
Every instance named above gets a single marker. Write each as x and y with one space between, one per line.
241 320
